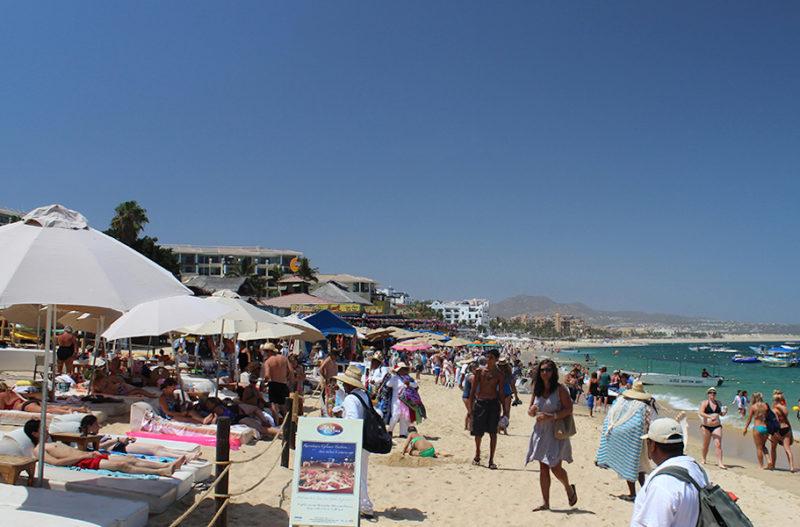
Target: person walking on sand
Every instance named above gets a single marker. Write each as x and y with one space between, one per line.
758 416
594 393
466 389
667 501
710 412
784 435
485 402
549 403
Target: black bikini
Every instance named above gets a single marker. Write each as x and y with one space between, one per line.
710 411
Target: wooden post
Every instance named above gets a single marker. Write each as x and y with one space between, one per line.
223 454
287 438
297 411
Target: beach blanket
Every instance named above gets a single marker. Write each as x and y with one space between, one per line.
620 442
111 473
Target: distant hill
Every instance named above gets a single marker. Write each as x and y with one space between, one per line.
542 305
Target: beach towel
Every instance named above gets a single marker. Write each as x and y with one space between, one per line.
111 473
621 445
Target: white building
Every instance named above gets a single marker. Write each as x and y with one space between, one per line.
219 260
395 297
474 312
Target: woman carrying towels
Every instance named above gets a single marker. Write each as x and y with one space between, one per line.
549 403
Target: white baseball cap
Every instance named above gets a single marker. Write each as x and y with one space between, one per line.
665 431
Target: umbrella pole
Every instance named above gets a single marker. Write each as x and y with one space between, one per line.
52 331
100 328
43 421
219 352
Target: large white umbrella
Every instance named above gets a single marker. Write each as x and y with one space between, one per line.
52 257
88 322
271 331
164 315
241 317
310 333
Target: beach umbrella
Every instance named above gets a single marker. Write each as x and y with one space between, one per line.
271 331
310 333
412 345
52 257
164 315
241 317
456 342
89 322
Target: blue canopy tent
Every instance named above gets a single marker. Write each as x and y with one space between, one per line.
329 324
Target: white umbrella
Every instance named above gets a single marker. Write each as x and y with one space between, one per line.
164 315
241 317
310 333
88 322
52 257
271 331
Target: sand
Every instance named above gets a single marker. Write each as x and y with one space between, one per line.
450 491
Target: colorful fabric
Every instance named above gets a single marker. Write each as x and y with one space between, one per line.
428 452
410 398
621 445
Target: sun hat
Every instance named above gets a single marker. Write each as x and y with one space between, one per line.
637 392
351 376
268 346
665 431
377 356
711 390
69 329
400 365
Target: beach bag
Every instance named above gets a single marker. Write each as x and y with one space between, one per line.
565 428
375 438
773 426
717 509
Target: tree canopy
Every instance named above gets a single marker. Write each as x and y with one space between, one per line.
126 226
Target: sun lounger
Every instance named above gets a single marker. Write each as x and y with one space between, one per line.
159 493
17 418
48 508
146 423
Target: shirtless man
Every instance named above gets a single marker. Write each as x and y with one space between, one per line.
328 370
67 350
62 455
758 415
275 372
485 401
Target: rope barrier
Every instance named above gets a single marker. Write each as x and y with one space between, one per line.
256 484
203 496
219 512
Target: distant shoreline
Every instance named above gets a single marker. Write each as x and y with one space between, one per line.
634 341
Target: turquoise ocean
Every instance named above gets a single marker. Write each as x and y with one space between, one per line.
677 358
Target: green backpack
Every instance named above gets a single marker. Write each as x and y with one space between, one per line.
717 509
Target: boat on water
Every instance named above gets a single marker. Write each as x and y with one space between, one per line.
745 359
723 349
671 379
791 346
700 348
778 357
759 349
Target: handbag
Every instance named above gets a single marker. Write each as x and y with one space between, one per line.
565 428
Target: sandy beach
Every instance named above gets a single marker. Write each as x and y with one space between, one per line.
450 491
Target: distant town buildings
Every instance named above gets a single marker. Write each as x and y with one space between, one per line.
473 312
563 325
361 285
221 260
9 216
393 296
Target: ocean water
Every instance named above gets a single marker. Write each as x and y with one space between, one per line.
677 358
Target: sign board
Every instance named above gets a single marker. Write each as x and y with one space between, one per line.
333 308
327 472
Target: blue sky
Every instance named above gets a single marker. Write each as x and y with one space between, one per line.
630 155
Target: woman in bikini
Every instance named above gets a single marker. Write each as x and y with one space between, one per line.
710 412
417 445
11 400
784 436
112 385
758 416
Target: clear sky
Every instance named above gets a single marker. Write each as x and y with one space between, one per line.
638 155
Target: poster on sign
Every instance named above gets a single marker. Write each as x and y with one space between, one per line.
327 472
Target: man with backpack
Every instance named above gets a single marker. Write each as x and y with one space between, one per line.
354 406
678 493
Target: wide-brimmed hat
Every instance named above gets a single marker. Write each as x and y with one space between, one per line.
400 365
377 356
351 376
503 361
269 346
637 392
68 329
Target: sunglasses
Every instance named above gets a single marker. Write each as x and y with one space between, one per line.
548 370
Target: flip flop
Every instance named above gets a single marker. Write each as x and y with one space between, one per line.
574 498
626 497
492 466
476 461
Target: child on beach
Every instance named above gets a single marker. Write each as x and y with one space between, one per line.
419 446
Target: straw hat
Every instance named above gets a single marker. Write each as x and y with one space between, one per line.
351 376
637 392
377 356
400 365
269 346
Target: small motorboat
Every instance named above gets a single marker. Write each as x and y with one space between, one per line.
744 359
723 349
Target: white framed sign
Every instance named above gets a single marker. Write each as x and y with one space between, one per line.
327 472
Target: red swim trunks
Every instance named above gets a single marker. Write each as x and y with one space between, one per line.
93 463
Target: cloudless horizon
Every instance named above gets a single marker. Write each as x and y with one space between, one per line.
634 155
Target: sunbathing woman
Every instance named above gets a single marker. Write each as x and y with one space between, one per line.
126 445
114 385
171 408
245 414
11 400
758 415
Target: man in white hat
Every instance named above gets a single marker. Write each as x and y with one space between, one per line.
353 409
666 501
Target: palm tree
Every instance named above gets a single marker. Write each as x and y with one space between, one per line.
306 272
245 268
128 222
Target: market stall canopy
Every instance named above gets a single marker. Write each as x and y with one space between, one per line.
310 333
164 315
329 324
242 316
52 256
